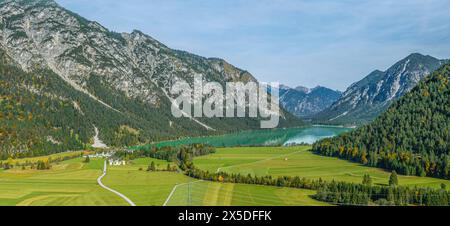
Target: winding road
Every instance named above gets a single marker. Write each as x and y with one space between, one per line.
99 181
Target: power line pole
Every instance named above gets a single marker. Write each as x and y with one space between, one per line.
189 194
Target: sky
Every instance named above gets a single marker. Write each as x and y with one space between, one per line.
294 42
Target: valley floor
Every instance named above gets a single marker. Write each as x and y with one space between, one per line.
70 183
299 161
74 183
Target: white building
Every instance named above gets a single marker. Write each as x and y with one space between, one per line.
102 155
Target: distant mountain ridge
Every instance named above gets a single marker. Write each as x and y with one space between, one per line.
88 77
366 99
304 102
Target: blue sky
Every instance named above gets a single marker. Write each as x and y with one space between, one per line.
294 42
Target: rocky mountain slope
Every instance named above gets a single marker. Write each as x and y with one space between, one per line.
366 99
118 83
304 102
411 137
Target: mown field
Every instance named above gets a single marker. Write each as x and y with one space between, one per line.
70 183
152 189
58 156
202 193
73 183
299 161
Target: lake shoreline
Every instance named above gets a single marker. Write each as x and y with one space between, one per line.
273 137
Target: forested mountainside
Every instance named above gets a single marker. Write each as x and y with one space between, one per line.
304 102
64 75
368 98
412 137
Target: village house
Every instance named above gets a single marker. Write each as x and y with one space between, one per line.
101 155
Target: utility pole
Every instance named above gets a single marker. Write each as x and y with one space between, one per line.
189 191
189 194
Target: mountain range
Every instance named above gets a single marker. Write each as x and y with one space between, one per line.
70 80
412 137
304 102
69 83
363 101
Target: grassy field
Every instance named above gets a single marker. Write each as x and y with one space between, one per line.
142 187
74 183
153 188
73 154
70 183
203 193
298 161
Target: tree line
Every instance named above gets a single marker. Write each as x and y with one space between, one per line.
340 193
178 154
40 164
155 168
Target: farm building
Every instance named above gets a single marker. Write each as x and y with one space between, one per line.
101 155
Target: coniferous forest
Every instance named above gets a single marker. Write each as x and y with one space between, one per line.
41 114
412 137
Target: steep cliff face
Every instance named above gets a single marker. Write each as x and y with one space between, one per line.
366 99
42 34
125 77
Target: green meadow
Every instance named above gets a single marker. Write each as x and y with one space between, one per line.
299 161
44 158
203 193
153 189
74 183
69 183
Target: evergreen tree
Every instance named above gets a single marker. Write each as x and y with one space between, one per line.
393 179
151 167
367 180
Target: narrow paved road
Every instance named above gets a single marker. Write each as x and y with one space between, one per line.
99 180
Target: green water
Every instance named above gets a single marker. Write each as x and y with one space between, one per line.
276 137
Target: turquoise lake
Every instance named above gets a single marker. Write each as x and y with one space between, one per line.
275 137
